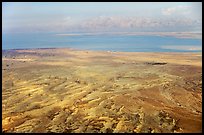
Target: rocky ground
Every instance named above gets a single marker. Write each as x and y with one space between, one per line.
65 90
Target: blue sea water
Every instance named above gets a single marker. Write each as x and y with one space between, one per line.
124 43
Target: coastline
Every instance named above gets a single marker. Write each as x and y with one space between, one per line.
151 56
71 48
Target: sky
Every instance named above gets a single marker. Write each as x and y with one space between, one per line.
71 17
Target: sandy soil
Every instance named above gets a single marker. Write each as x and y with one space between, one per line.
66 90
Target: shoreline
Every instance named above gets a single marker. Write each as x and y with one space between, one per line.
180 58
76 49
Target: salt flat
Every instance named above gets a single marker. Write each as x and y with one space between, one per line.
67 90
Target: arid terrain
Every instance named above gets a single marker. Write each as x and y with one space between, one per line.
67 90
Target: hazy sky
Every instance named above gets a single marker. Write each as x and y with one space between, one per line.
101 17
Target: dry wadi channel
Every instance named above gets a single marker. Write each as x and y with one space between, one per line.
67 90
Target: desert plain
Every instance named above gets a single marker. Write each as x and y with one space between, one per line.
78 91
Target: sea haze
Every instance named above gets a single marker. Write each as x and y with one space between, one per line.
126 43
